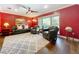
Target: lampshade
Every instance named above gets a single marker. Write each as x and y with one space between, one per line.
6 24
68 29
34 20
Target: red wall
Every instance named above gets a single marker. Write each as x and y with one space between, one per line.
10 18
0 23
33 23
68 17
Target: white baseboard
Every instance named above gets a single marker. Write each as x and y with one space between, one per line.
69 38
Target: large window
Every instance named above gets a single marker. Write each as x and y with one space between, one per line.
40 23
48 21
44 22
55 21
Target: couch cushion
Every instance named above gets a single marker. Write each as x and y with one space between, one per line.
19 27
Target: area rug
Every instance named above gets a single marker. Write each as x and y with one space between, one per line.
25 43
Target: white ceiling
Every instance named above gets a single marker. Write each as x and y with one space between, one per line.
18 10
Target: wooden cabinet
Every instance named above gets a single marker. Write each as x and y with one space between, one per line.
5 32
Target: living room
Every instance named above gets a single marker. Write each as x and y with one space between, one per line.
28 29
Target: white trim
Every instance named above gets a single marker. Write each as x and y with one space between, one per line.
70 38
56 14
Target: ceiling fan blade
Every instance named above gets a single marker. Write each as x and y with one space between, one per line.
27 12
28 9
34 11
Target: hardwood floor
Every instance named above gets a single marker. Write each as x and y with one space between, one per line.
61 47
1 41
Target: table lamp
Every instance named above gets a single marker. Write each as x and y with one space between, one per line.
6 24
68 30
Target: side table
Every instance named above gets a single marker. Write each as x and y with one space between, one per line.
5 32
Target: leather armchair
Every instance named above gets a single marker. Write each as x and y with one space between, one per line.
51 34
35 30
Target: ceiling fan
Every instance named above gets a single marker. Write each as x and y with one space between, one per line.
28 9
31 11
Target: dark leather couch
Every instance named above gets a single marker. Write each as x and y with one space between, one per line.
51 34
16 31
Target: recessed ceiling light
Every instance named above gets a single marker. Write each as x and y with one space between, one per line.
16 10
45 6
